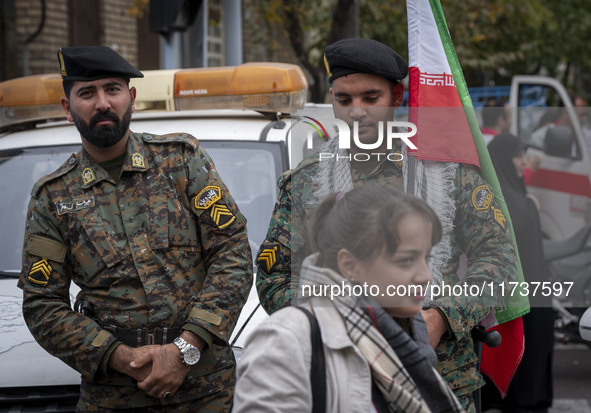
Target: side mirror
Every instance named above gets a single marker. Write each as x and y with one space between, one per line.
585 325
559 141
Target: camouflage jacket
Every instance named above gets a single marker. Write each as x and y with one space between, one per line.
480 232
166 246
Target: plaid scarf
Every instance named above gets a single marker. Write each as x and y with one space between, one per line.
402 368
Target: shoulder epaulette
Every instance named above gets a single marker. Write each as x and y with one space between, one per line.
310 161
62 170
171 137
284 178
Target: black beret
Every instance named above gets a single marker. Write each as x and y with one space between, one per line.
363 56
88 63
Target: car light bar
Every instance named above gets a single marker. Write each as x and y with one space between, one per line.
30 99
263 87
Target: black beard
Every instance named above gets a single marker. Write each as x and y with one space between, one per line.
103 136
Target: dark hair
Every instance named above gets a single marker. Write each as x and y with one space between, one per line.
365 222
68 84
492 111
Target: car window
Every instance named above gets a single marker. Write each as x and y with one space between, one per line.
249 169
19 170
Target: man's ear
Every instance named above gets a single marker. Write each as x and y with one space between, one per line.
397 94
132 94
66 107
349 265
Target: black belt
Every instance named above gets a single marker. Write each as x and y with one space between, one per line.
142 336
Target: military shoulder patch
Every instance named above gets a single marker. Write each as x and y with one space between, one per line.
40 272
171 138
222 216
207 197
267 258
482 197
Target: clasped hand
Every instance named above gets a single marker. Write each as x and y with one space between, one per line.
158 369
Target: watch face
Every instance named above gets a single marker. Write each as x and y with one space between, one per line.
191 355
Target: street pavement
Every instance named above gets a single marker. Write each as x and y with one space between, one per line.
572 379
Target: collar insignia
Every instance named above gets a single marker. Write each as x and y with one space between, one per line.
137 160
88 176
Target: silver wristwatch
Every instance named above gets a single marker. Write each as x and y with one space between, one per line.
189 354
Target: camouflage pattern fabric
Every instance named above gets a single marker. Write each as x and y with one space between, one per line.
166 246
220 402
479 232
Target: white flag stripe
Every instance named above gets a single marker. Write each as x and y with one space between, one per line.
424 43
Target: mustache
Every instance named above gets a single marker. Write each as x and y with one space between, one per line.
102 116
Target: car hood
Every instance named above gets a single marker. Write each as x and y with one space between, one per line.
25 363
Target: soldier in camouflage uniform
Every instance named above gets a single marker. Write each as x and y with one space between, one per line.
144 225
365 75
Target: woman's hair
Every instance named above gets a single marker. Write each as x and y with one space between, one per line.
365 222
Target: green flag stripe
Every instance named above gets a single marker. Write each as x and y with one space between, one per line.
518 305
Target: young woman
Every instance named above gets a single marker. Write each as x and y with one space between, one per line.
365 286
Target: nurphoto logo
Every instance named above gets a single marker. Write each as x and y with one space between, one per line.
392 130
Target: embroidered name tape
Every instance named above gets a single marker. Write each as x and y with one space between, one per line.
75 205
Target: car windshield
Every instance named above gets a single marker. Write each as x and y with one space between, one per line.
249 170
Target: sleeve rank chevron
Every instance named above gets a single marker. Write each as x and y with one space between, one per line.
40 272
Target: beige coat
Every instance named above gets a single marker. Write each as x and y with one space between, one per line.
274 369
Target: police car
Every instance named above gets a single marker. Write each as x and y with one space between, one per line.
241 115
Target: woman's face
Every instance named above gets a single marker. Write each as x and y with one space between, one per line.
520 163
401 279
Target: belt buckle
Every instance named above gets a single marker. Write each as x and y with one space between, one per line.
151 337
140 337
156 336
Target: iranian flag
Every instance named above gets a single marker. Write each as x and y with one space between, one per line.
447 130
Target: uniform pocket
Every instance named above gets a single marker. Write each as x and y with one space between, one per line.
172 224
93 249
